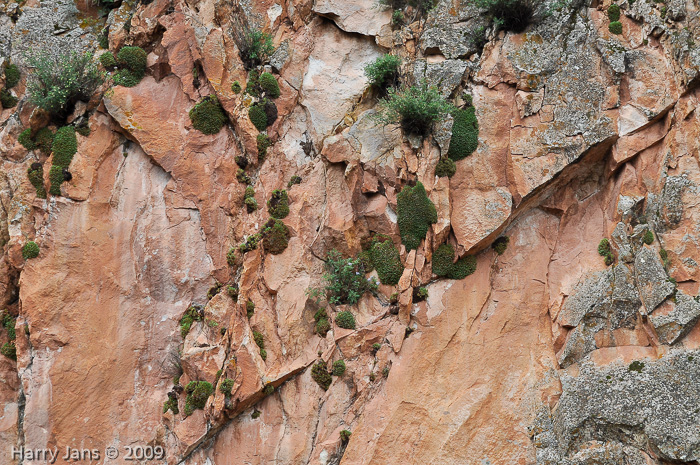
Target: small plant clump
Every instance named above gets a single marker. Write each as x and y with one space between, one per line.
501 244
444 265
615 27
250 308
387 261
9 322
242 177
25 138
132 63
9 350
605 251
232 291
44 140
614 12
383 72
64 146
415 215
322 325
12 76
636 366
648 237
255 47
269 85
275 236
345 436
30 250
35 173
251 243
108 61
421 294
263 142
338 368
241 161
415 108
446 167
269 389
171 404
236 87
293 180
320 374
249 199
510 15
197 394
191 315
207 116
345 279
226 387
258 117
278 205
465 134
345 319
256 414
7 100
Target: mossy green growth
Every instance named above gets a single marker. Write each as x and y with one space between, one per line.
250 204
197 394
293 180
207 116
44 140
636 366
251 243
25 138
465 134
9 350
232 291
278 205
36 177
242 177
345 436
7 100
338 368
133 59
320 374
30 250
322 325
614 12
443 263
387 261
64 146
275 236
463 267
258 338
226 387
191 315
421 294
269 85
126 78
256 414
415 215
615 27
258 117
605 251
171 404
263 142
236 87
501 244
384 71
56 178
269 389
12 76
345 319
648 237
446 167
107 60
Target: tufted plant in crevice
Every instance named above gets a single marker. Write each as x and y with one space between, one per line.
191 315
64 147
226 386
512 15
605 251
387 261
263 142
30 250
269 85
500 245
207 116
197 394
383 72
322 325
275 236
260 342
415 214
345 320
345 279
446 167
338 368
444 265
12 76
7 100
320 374
35 173
415 108
278 205
251 243
132 64
465 134
257 116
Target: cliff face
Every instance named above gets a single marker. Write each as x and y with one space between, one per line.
544 355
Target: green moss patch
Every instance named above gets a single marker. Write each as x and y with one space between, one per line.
278 205
387 261
415 215
275 236
465 134
320 374
207 116
197 394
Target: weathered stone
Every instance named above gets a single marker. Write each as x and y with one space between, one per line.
652 281
672 327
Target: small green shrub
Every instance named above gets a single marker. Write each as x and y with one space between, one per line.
241 161
322 325
25 138
421 294
263 143
197 394
103 39
345 436
269 389
133 59
446 167
320 374
338 368
415 108
345 320
463 267
615 27
251 243
278 205
397 18
226 386
269 85
443 263
345 279
7 100
30 250
36 177
9 350
236 87
231 256
64 146
648 237
636 366
605 251
44 140
258 117
385 371
249 192
383 72
207 116
57 81
614 12
386 259
255 47
465 134
501 244
191 315
250 308
126 78
232 291
56 178
107 60
242 177
258 338
275 236
12 76
256 414
415 215
293 180
511 15
251 204
171 404
375 347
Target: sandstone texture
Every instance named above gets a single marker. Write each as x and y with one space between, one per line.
545 354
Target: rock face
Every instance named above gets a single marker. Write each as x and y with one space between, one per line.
161 310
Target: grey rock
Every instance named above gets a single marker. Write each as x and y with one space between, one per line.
447 40
443 133
671 204
445 75
280 57
652 281
588 298
622 244
673 327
